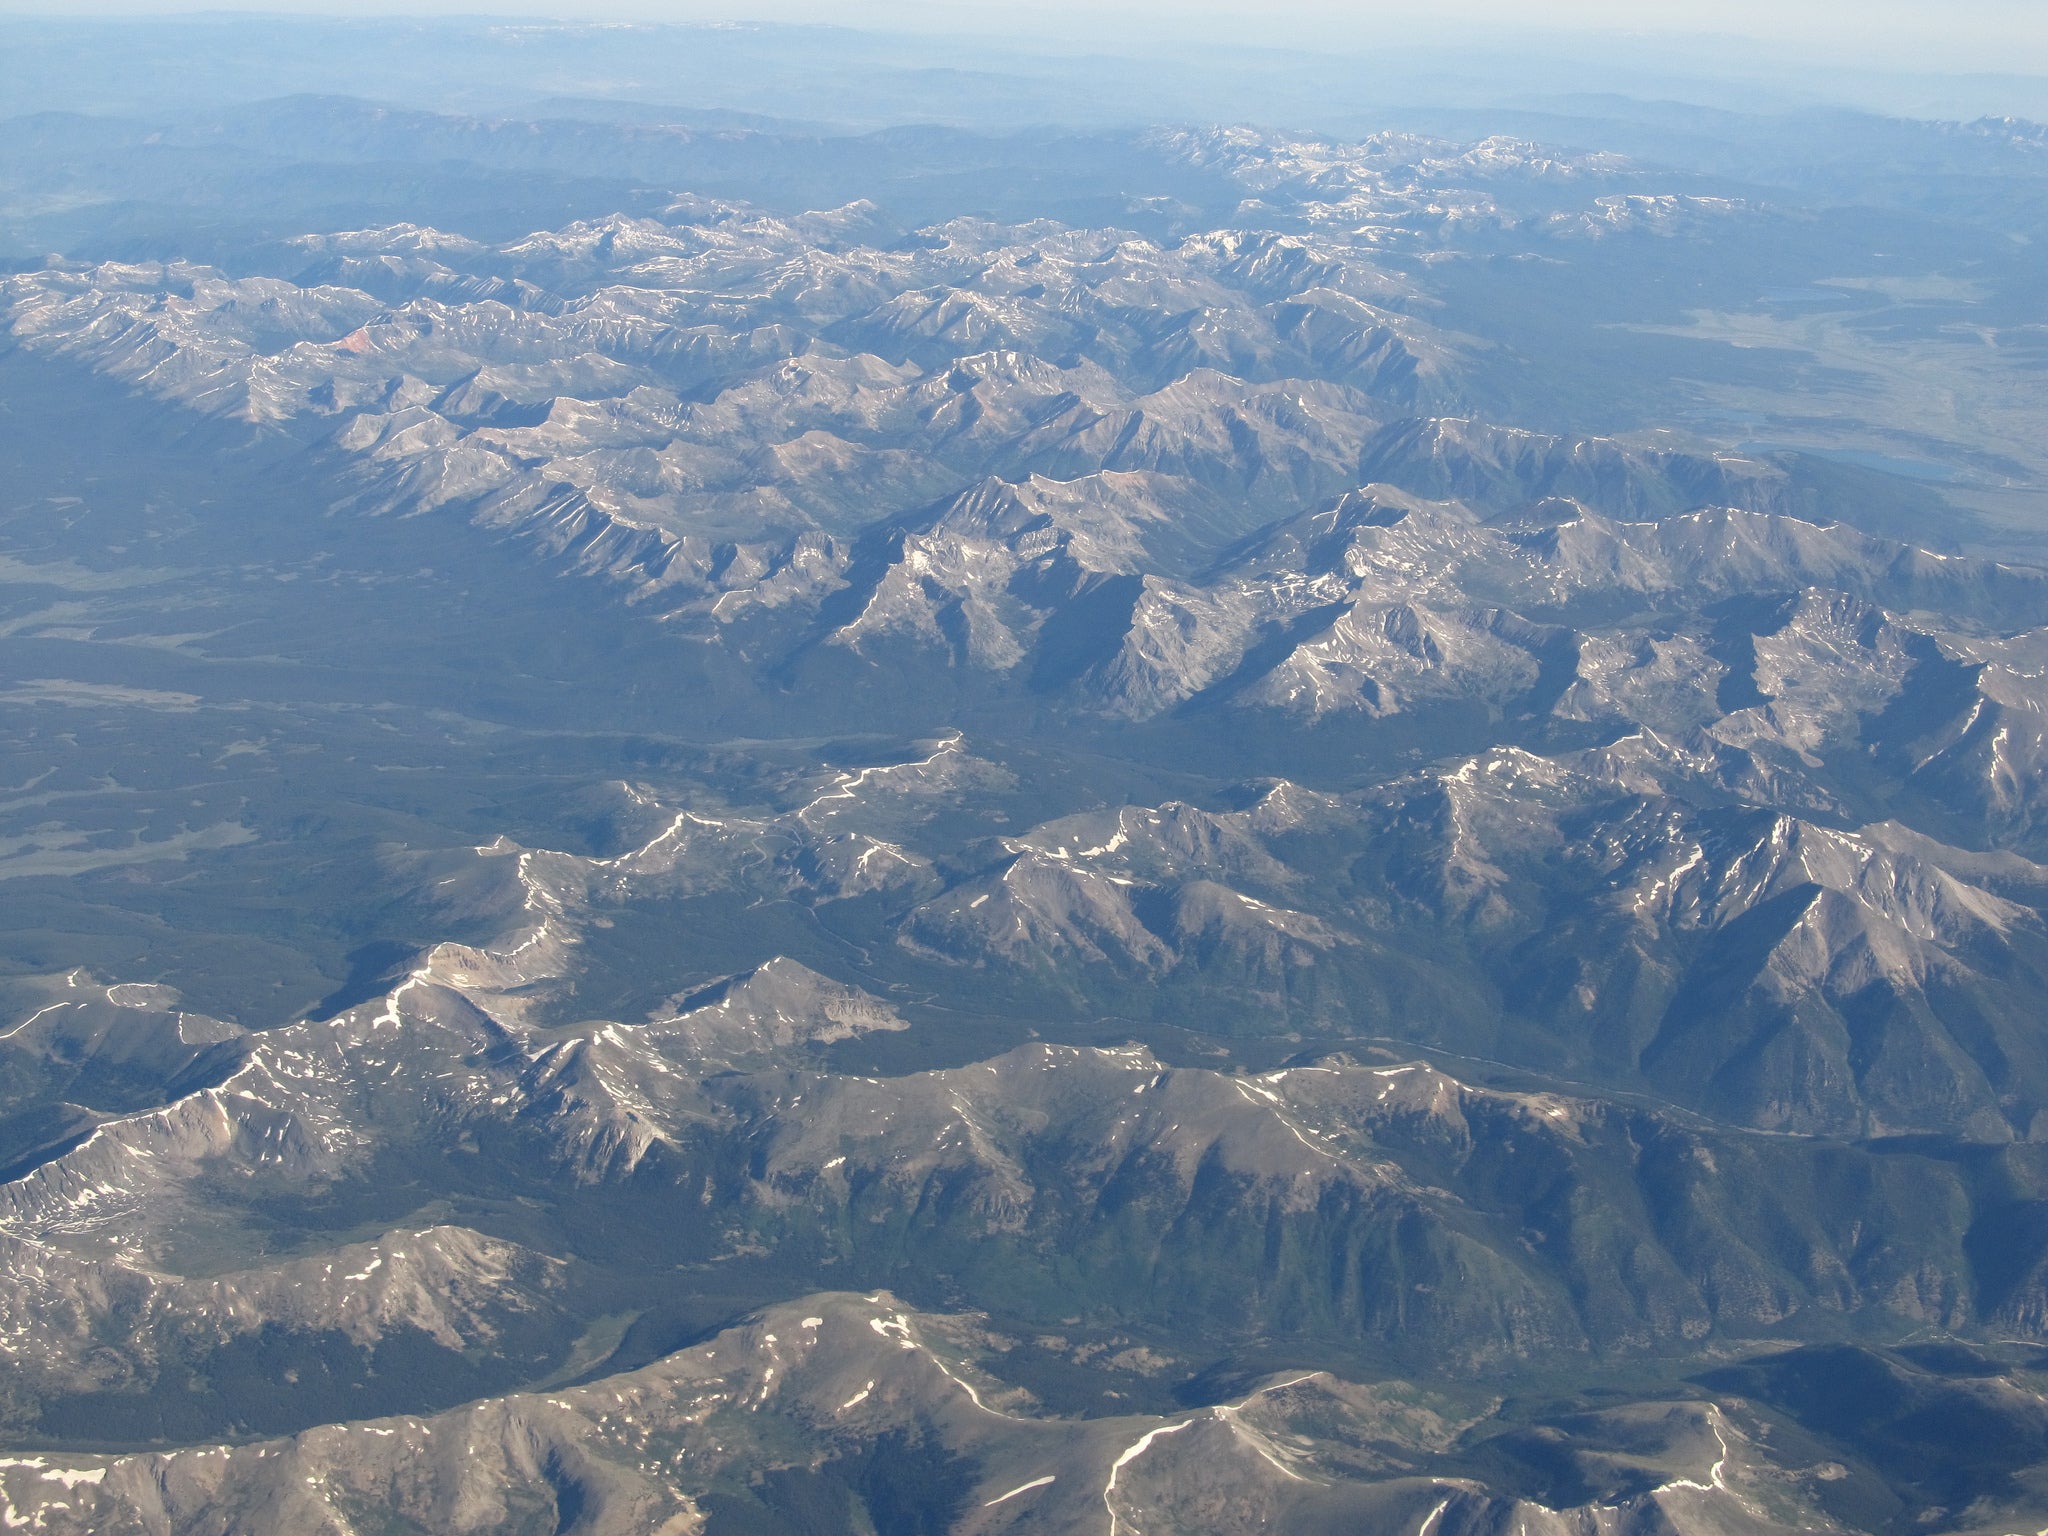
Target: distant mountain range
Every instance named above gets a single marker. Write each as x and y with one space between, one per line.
1011 873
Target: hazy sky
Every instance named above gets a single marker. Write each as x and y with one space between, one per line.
1988 35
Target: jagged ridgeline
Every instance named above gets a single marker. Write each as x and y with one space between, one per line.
991 873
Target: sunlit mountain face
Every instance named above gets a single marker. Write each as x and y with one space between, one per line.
845 812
